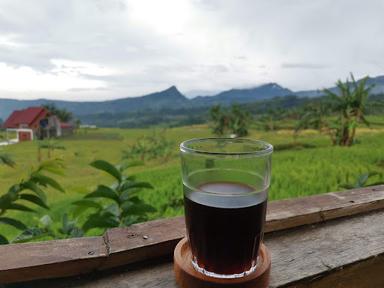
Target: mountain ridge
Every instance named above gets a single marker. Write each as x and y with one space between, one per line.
171 98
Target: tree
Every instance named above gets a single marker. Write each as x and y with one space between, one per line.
234 120
50 146
269 119
239 120
63 114
350 105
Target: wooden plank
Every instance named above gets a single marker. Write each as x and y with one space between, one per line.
153 239
312 252
143 241
50 259
318 208
342 253
365 274
163 235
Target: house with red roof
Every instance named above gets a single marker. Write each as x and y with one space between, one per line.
34 122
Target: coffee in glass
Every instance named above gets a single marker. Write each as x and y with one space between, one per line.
225 198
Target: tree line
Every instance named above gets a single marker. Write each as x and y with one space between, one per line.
337 114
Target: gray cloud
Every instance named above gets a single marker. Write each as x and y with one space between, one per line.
304 66
132 47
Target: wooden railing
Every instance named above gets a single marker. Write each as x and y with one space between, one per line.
305 253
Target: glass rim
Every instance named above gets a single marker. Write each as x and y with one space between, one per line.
265 148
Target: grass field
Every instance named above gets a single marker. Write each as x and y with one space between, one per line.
296 172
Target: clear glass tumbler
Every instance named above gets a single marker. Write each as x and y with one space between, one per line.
225 184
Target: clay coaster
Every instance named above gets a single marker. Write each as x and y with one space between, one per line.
188 277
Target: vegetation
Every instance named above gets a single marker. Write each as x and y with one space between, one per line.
63 114
49 145
299 128
28 191
312 167
149 147
6 159
234 120
350 105
122 208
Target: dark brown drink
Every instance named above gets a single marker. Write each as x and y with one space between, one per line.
225 226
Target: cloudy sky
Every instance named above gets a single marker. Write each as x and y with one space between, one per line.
104 49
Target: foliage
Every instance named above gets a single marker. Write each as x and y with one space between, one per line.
29 191
270 119
298 170
45 229
235 120
363 179
63 114
50 145
7 160
150 147
117 204
350 105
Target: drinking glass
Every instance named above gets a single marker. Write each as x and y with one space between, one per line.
225 185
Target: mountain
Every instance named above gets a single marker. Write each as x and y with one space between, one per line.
168 101
169 98
262 92
377 82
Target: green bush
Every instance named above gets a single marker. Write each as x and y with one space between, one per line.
117 204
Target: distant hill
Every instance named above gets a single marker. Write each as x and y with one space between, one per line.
166 101
266 91
169 98
378 88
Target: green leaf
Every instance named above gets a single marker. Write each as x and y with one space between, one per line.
377 183
108 168
54 166
7 160
30 185
13 222
15 206
101 220
46 181
103 191
82 205
124 166
87 203
30 234
34 199
46 221
131 185
3 240
137 209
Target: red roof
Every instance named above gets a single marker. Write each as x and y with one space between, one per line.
25 116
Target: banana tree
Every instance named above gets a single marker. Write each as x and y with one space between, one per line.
349 103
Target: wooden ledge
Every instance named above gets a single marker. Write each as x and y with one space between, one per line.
121 246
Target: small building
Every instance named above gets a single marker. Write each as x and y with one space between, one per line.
36 123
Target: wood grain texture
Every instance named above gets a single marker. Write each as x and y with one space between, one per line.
187 277
342 253
59 258
122 246
143 241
